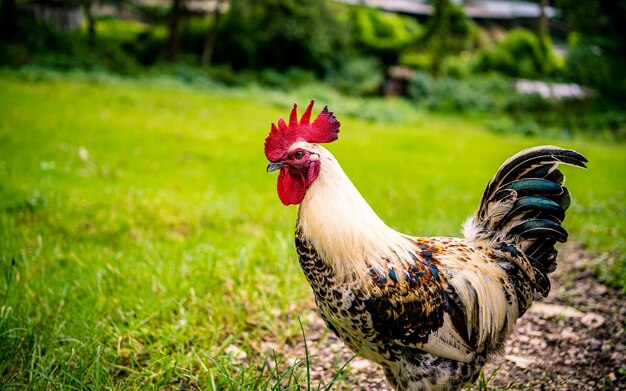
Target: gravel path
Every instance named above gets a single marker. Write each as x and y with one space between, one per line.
572 340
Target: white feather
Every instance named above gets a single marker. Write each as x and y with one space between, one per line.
343 228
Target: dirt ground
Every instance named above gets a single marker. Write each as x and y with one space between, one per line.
572 340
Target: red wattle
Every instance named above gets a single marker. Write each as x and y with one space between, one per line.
291 187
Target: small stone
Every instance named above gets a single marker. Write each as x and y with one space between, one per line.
593 320
335 347
238 355
271 364
269 347
599 289
553 311
359 364
552 337
594 343
519 361
540 343
568 334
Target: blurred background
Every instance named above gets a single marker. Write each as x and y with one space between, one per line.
142 243
552 66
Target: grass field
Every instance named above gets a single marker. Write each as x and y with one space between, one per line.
141 236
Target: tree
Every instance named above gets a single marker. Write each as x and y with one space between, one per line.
383 34
597 18
91 21
544 27
7 18
448 31
597 53
209 39
279 34
174 30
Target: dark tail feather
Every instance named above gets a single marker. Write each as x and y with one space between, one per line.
522 208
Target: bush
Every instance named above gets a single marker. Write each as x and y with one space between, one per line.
420 87
474 95
530 115
479 39
519 54
594 63
356 75
292 78
526 126
383 34
147 47
457 67
42 45
278 34
416 60
448 32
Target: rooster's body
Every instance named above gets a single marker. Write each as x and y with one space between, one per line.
428 310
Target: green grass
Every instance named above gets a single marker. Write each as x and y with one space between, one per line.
141 236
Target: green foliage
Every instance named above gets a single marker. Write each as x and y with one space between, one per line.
331 40
278 34
383 34
291 78
479 39
147 46
120 30
597 46
192 35
45 46
369 109
448 32
142 42
477 95
458 67
152 12
415 60
590 63
525 126
530 115
519 54
599 117
356 75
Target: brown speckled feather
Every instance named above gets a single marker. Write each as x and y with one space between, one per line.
428 310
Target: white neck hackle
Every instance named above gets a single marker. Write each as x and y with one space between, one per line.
343 228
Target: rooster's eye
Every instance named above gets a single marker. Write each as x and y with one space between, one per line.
298 154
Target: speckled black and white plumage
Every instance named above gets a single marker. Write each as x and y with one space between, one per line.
430 311
347 310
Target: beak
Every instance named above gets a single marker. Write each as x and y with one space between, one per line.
273 166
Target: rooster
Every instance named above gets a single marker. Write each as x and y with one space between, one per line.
428 310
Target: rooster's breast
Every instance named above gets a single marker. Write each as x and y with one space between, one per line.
342 306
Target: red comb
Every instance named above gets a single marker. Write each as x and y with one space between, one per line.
324 129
